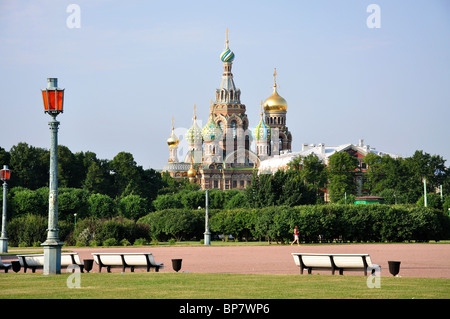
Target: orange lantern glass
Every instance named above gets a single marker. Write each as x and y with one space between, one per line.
5 173
53 97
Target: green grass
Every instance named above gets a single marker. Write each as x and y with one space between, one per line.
142 285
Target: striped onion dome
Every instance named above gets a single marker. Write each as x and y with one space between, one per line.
211 131
262 131
227 55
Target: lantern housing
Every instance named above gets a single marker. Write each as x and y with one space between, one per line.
53 97
5 173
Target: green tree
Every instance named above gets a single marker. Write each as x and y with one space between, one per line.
341 171
101 206
5 157
26 201
133 207
30 166
72 201
98 178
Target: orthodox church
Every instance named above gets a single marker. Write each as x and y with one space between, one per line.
225 152
219 154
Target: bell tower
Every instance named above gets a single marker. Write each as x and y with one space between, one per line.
229 112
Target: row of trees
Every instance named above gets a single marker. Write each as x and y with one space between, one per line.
118 177
397 179
92 187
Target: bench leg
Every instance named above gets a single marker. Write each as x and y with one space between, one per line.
108 268
309 271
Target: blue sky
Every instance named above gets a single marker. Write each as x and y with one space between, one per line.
132 65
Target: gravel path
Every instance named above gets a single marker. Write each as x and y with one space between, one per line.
417 260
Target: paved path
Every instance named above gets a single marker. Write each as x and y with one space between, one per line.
417 260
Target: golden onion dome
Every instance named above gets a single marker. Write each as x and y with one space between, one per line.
173 140
275 102
192 172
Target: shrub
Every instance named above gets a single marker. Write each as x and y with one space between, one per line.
110 242
125 242
27 230
140 242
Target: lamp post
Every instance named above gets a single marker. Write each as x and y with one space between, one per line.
207 237
53 98
5 175
425 191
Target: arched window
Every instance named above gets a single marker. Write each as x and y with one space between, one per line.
234 129
231 94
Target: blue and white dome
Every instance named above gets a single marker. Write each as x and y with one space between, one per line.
211 131
227 55
194 134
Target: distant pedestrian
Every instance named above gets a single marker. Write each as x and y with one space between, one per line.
295 236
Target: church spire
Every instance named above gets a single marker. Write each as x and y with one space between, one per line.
227 92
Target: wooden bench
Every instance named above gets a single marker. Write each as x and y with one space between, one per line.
36 261
333 262
126 260
4 266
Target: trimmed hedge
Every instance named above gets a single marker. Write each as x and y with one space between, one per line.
325 223
31 230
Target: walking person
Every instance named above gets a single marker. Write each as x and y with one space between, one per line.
295 236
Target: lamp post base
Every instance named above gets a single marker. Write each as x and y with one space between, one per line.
52 257
207 238
4 245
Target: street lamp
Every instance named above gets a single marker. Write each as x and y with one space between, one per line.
424 180
5 175
53 98
207 237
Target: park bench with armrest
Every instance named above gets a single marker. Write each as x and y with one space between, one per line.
36 261
126 260
4 266
333 262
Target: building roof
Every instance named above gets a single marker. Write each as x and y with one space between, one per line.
275 162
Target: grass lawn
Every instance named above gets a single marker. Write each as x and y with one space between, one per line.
143 285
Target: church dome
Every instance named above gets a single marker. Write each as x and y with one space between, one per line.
227 55
275 102
173 140
192 172
194 134
262 131
211 131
